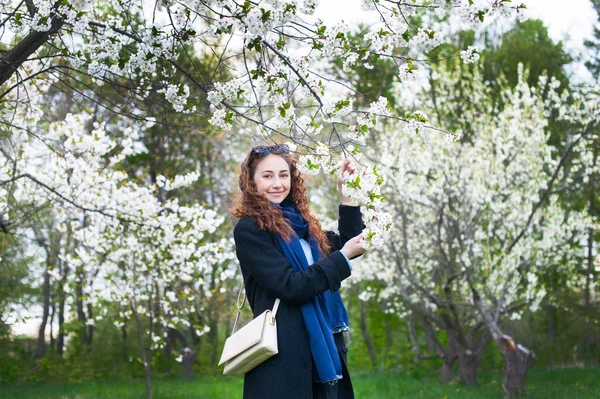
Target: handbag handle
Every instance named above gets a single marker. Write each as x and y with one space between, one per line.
241 305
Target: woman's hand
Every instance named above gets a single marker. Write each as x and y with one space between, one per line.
353 247
347 166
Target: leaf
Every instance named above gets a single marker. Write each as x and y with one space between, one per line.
280 44
317 45
266 15
406 35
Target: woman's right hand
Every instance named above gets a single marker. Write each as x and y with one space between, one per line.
353 247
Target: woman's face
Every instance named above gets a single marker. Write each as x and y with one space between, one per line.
272 178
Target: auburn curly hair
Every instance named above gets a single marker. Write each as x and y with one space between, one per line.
268 218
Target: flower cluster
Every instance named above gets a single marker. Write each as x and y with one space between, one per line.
365 187
415 122
221 119
227 91
178 95
178 182
470 55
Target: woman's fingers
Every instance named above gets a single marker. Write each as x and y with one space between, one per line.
347 165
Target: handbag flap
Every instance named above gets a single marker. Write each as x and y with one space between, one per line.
245 337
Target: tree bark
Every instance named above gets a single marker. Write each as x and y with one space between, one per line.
365 333
551 329
447 366
60 339
41 341
90 327
13 58
468 362
213 337
187 361
79 305
518 360
388 341
413 337
590 253
52 313
147 370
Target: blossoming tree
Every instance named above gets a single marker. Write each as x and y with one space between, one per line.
476 220
129 244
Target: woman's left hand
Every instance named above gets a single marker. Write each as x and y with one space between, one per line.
347 166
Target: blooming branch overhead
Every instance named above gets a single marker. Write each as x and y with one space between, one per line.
278 53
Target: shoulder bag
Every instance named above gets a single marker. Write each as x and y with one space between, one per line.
252 344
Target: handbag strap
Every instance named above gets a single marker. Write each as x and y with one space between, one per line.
240 305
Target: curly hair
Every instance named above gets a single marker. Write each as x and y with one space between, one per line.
268 218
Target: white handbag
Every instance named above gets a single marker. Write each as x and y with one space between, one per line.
252 344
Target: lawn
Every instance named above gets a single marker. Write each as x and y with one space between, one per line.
560 383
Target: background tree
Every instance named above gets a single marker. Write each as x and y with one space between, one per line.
475 220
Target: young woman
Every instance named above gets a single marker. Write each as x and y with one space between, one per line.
284 253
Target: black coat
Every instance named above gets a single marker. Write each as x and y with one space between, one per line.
269 275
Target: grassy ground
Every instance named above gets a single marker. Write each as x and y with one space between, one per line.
552 384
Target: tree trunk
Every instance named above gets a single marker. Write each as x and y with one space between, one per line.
41 341
551 329
187 362
52 313
90 327
518 360
365 333
168 348
590 266
589 275
79 305
213 337
449 356
145 360
413 337
60 339
446 369
468 362
389 343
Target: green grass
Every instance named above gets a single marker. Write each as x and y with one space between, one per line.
560 383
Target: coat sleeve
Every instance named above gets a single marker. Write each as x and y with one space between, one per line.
259 255
350 225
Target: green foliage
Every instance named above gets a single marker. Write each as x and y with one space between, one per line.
593 44
553 384
15 279
527 43
563 333
387 332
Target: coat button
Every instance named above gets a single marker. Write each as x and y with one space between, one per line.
345 350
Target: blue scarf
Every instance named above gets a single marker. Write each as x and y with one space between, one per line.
323 314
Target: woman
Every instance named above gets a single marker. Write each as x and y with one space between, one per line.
277 238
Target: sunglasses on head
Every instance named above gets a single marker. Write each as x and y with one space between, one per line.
271 149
